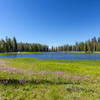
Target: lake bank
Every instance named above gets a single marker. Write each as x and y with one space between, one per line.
16 53
96 52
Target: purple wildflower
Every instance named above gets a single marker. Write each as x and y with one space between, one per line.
5 82
77 77
21 81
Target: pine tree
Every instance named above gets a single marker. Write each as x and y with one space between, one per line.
14 44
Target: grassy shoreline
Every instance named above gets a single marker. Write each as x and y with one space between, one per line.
96 52
15 53
49 79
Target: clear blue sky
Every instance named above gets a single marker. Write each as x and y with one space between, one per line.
51 22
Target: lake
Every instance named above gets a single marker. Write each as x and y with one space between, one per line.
57 55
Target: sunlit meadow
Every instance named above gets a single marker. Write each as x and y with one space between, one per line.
33 79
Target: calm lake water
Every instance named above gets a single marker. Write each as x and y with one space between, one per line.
57 55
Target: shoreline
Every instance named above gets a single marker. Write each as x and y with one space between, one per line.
16 53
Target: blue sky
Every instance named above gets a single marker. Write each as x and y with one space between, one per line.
51 22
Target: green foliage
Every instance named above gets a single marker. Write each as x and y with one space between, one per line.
14 44
51 80
89 46
11 45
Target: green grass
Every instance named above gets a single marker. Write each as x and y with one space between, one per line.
96 52
75 52
15 53
51 80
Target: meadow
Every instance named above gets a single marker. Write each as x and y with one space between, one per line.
16 53
95 52
33 79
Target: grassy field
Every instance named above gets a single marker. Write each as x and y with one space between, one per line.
33 79
15 53
96 52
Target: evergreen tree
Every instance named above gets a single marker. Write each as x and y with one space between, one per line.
14 44
85 47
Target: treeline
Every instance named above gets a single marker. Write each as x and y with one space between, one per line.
88 46
11 45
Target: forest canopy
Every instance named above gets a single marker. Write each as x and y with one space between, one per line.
88 46
11 45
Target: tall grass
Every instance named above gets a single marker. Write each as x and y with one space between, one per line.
33 79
